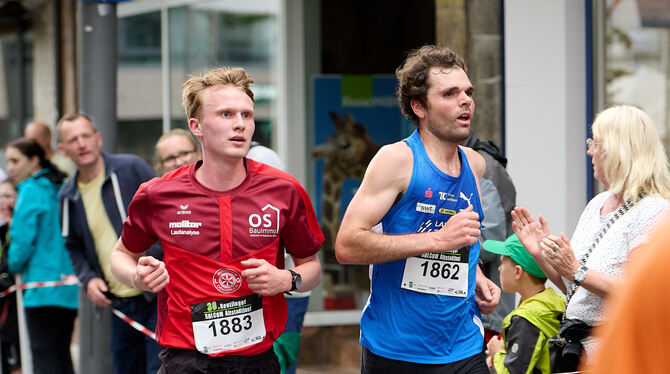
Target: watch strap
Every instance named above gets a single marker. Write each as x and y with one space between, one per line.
294 275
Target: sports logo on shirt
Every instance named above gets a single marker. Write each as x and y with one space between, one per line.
183 209
449 212
265 224
184 224
227 280
462 196
425 208
430 225
448 196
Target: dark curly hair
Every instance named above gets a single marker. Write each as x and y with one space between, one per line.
412 75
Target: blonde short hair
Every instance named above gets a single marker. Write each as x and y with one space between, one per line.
635 160
191 95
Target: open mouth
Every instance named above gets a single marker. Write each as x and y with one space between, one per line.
237 139
464 117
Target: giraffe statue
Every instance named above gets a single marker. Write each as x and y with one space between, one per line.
346 153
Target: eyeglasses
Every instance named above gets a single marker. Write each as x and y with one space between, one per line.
173 158
590 144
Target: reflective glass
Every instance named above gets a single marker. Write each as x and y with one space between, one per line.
139 106
227 33
637 46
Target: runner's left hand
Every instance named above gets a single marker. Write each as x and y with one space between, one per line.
487 294
264 278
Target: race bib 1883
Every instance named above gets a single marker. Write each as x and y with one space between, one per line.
441 273
228 324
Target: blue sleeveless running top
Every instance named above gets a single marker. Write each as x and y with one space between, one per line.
422 309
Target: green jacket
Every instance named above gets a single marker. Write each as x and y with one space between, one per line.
526 331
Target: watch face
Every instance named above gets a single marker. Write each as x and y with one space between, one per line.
297 281
580 275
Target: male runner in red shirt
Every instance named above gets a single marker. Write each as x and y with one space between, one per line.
222 222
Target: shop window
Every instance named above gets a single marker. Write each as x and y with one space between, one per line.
221 33
139 106
637 58
201 35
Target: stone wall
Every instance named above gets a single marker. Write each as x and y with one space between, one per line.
472 28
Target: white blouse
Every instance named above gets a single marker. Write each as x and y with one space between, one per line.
611 254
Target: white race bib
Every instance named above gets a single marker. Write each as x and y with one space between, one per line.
228 324
440 273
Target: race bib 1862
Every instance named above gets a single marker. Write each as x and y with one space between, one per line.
441 273
228 324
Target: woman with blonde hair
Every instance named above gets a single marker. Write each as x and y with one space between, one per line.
629 159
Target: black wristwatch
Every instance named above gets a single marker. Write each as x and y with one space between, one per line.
296 281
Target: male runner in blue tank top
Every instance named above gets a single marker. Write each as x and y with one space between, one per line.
421 195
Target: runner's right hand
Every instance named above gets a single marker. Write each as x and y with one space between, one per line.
460 230
151 274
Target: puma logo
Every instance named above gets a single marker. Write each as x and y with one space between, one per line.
462 196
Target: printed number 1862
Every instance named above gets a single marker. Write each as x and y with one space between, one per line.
440 270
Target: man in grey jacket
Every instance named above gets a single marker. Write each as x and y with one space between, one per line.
498 199
93 204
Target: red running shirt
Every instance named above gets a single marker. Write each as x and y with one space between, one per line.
205 234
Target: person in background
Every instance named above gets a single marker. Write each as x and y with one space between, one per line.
524 347
629 159
175 149
9 331
632 334
37 250
7 202
41 133
266 155
498 201
3 177
93 206
287 346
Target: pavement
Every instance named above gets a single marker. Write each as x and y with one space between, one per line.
326 369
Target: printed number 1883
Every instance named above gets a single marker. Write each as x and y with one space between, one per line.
233 325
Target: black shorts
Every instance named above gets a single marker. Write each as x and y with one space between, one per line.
373 364
187 361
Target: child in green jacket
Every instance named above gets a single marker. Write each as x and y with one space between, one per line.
526 330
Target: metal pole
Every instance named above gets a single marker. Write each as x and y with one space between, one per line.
96 54
97 67
24 338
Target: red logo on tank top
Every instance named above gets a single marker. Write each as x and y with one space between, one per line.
227 280
429 193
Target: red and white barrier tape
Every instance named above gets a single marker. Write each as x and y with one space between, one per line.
71 280
136 325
